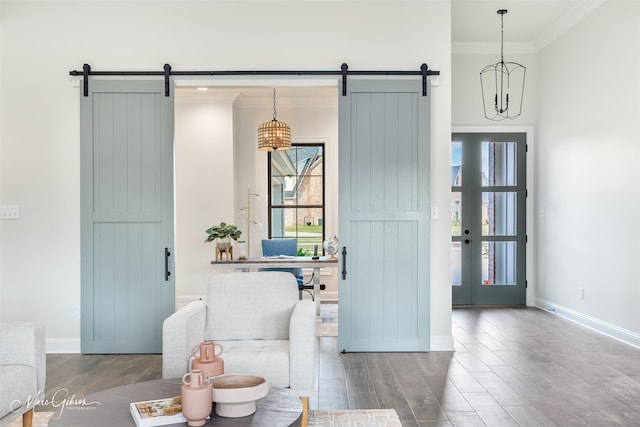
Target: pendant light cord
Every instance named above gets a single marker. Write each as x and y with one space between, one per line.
502 37
500 108
502 12
274 104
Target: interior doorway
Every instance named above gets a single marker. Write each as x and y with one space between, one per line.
222 176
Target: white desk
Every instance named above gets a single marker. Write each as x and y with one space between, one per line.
289 262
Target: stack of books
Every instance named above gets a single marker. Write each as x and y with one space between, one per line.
158 412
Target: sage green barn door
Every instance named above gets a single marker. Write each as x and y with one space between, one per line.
384 206
488 222
126 216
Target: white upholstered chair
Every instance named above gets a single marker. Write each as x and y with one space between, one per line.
263 327
22 370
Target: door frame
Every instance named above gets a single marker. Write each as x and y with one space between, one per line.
530 202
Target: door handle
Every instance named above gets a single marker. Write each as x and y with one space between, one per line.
344 263
167 273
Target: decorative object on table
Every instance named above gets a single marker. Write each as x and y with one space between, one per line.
221 232
330 245
157 412
242 249
274 135
502 84
197 398
253 226
209 361
236 395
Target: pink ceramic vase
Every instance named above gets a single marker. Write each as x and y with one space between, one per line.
209 360
197 397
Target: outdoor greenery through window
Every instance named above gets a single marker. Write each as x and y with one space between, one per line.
296 196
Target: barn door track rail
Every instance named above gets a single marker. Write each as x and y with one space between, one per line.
344 71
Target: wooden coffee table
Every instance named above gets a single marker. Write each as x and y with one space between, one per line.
111 408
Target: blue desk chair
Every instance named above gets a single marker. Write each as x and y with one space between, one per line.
288 247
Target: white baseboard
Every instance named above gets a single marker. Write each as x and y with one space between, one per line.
597 325
62 345
442 343
329 296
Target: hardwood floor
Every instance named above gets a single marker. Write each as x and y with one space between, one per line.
511 367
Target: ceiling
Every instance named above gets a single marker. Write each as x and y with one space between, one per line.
529 26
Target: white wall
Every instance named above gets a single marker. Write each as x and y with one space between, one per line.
588 179
39 167
204 165
582 97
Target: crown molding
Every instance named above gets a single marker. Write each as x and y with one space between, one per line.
549 35
566 22
483 48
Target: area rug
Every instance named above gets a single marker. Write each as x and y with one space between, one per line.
328 327
355 418
337 418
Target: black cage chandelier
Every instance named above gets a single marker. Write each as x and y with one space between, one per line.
502 84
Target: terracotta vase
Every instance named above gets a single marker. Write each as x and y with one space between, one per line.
209 359
197 398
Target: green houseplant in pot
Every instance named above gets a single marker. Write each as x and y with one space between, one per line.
222 235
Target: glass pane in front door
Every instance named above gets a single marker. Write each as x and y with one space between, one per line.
456 213
499 213
456 261
499 163
488 239
498 263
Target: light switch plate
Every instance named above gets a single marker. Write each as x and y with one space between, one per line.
9 212
435 212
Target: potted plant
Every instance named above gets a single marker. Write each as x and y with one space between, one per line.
221 232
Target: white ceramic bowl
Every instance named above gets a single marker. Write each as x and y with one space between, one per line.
235 395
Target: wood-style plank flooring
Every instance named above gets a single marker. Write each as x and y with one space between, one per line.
511 367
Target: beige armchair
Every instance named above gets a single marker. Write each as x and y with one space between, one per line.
264 328
22 370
